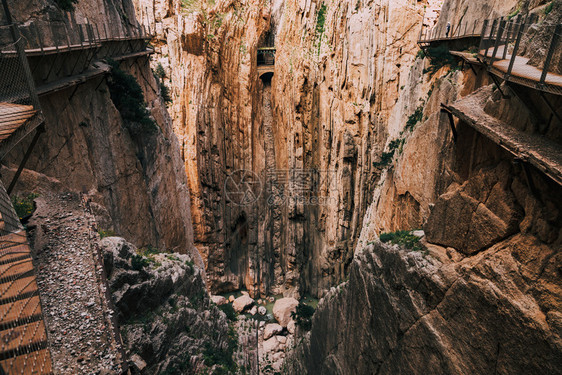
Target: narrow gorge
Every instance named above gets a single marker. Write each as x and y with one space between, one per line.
281 187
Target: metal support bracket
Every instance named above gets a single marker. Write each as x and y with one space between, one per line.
40 129
451 122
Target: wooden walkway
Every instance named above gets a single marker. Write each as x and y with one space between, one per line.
522 73
535 149
12 116
467 56
23 336
442 38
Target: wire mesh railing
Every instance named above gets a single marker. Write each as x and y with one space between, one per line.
523 51
441 32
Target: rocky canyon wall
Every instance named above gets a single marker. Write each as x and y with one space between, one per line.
340 68
485 300
136 181
209 53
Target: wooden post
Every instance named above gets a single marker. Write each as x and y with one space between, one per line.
507 40
22 57
38 132
483 35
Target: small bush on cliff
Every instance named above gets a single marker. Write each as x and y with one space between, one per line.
165 92
403 238
440 57
320 24
386 157
66 5
159 71
416 117
303 316
106 233
138 262
128 98
548 8
24 205
229 311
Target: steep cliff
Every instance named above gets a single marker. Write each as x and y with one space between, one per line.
339 68
408 312
137 180
473 304
168 323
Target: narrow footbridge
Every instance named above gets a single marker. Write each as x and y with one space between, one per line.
506 47
503 47
541 152
266 61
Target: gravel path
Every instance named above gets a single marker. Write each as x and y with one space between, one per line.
80 329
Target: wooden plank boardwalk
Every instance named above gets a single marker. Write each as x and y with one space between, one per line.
12 116
539 151
23 336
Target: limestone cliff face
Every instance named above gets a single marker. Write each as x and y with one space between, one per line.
209 53
479 291
339 70
404 312
336 83
137 183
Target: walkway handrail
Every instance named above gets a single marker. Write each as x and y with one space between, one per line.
502 39
456 31
41 37
266 55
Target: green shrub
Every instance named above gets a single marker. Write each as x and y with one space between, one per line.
165 92
321 20
513 14
548 8
66 5
320 24
229 311
128 98
386 158
440 57
416 117
138 262
303 316
106 233
147 251
404 238
24 204
160 72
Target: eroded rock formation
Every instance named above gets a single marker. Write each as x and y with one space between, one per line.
440 313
